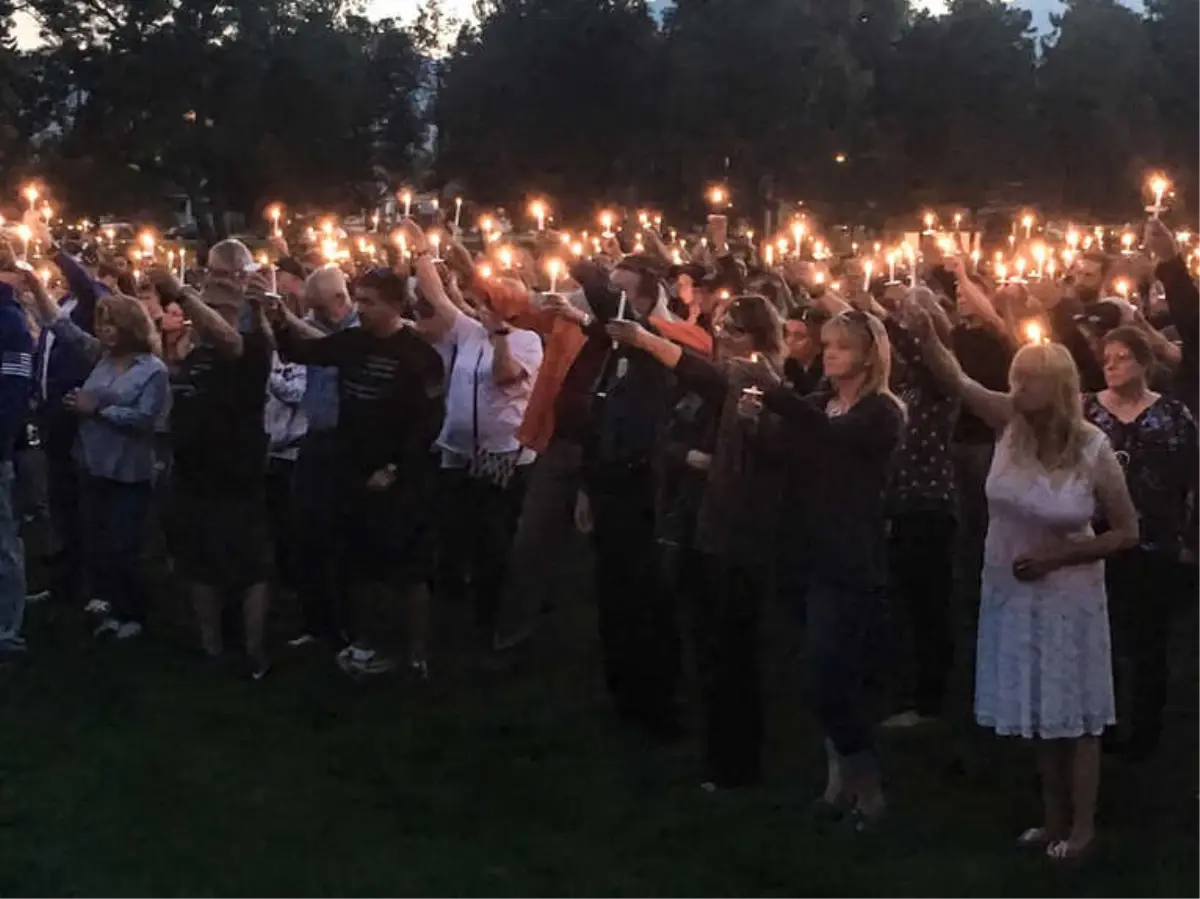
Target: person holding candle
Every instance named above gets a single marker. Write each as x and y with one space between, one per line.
218 532
1047 677
390 407
119 405
491 367
736 527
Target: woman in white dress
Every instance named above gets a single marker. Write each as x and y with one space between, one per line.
1044 659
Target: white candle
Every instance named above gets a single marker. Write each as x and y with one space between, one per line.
407 197
867 266
457 210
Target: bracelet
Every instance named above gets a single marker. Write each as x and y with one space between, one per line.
502 332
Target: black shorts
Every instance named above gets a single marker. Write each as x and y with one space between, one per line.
218 540
387 536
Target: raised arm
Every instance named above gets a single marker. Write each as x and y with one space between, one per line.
206 321
993 407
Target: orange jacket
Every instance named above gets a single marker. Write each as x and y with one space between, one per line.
564 339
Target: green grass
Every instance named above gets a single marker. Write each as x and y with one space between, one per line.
134 769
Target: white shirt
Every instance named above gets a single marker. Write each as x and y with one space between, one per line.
481 414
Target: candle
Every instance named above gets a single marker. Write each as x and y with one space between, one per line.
375 221
768 255
1039 255
553 266
506 258
930 218
1027 221
718 197
1033 332
171 259
577 249
620 313
957 222
1122 288
31 195
1159 185
798 234
435 241
1001 273
867 266
912 265
782 246
484 270
148 243
606 220
1020 267
891 261
275 212
47 213
406 198
182 266
975 261
1072 238
457 211
1127 240
274 280
26 236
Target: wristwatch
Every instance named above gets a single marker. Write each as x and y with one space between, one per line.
586 321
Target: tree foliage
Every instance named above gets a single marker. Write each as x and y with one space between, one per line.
845 103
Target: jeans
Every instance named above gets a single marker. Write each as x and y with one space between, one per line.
475 543
727 611
542 548
316 508
843 623
922 575
115 517
12 563
639 632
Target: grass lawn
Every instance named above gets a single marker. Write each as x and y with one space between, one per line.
134 769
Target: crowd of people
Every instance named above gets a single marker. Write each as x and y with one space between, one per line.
725 427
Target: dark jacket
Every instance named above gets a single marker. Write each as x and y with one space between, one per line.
16 370
1183 299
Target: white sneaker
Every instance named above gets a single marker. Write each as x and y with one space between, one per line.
128 629
97 607
107 626
302 640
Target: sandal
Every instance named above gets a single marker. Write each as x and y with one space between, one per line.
1034 838
1063 853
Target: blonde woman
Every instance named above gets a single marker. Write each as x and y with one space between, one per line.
845 436
118 407
1044 662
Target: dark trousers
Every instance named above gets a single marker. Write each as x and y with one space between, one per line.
728 610
475 543
639 631
281 521
316 505
67 580
114 517
1142 588
843 627
922 579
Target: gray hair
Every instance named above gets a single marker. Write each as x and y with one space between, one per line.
324 285
230 256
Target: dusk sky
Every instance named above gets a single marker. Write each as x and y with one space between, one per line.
405 9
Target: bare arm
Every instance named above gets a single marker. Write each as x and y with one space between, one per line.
993 407
209 323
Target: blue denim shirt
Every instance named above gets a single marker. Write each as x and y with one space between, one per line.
320 403
118 441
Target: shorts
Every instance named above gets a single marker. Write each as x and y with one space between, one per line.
387 536
216 540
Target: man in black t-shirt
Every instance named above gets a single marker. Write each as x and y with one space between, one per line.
218 533
390 410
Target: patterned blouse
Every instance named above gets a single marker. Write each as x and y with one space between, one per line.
1158 452
922 473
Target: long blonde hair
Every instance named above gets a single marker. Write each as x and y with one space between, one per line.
877 349
1057 439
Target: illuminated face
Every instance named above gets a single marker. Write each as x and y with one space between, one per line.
1121 367
375 315
800 343
1089 279
843 352
106 331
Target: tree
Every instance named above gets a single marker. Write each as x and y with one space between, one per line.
1098 114
550 95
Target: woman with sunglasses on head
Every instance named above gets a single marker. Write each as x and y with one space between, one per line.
1154 437
736 526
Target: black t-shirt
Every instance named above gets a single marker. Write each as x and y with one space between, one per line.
985 356
217 430
390 396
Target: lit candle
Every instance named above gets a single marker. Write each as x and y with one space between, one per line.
1159 185
718 198
912 265
1001 273
1020 267
47 213
1122 288
782 246
798 234
620 313
768 255
506 258
457 211
1072 238
406 197
1127 240
31 195
867 266
148 243
957 222
577 249
891 261
606 221
553 266
435 241
930 218
975 261
275 212
1027 221
1039 255
182 265
538 209
1033 332
375 221
484 270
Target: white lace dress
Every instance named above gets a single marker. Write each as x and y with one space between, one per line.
1044 659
